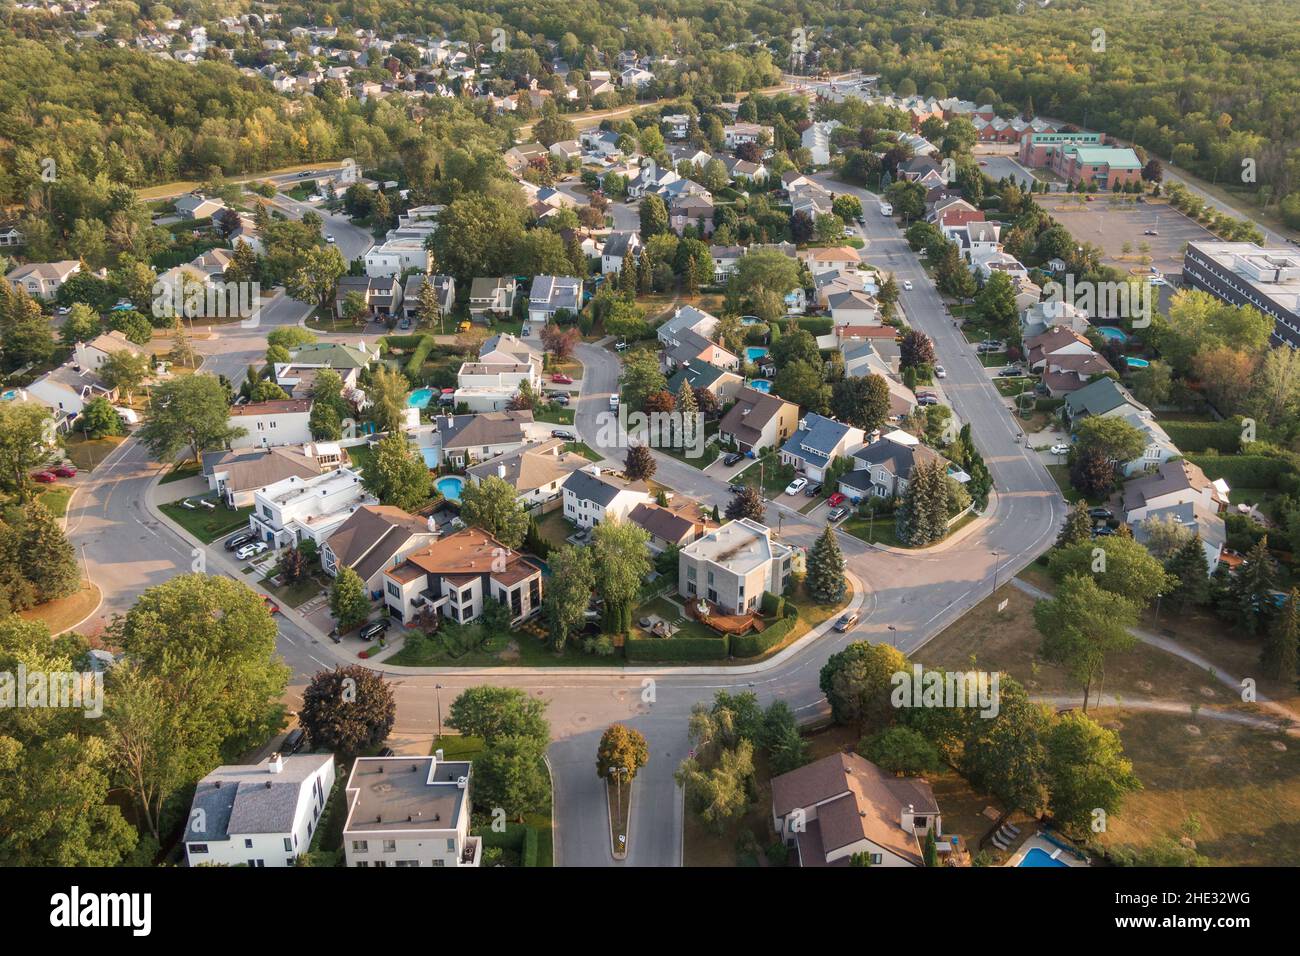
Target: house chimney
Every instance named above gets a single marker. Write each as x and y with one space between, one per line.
275 764
437 754
501 471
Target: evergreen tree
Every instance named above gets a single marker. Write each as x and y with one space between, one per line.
349 602
1192 569
1279 656
1252 586
825 579
48 559
931 849
1078 526
923 515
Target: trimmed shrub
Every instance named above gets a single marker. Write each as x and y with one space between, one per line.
1243 471
677 649
817 325
755 644
772 604
1224 436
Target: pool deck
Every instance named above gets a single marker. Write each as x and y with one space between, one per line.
1037 841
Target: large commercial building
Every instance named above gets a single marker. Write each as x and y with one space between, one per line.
1242 273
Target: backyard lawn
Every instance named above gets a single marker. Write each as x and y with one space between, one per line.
554 527
207 525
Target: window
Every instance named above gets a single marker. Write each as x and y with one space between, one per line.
288 845
451 846
394 590
690 574
390 846
360 846
198 848
248 844
877 859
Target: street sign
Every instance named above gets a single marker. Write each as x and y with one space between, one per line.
1002 605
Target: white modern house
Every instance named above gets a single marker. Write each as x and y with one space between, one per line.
409 811
263 814
396 256
293 509
489 386
731 566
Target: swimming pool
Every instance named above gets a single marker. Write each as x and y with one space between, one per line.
755 352
420 398
750 320
1110 332
761 385
450 487
430 456
1037 856
1136 362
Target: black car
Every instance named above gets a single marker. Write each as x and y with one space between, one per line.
1009 371
813 490
1100 514
1102 531
294 741
388 752
734 458
373 629
563 433
239 540
736 488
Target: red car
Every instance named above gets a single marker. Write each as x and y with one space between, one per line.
271 606
561 379
44 477
66 471
836 499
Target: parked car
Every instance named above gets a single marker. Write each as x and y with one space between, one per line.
1102 531
561 379
1011 371
837 514
294 741
733 458
44 477
372 630
796 486
814 489
940 372
1100 514
329 239
563 433
239 540
271 606
621 347
836 499
1060 448
251 550
1151 232
404 324
736 487
846 621
926 400
558 398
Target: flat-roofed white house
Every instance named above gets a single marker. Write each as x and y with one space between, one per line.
490 386
258 815
731 566
410 811
294 509
396 256
278 422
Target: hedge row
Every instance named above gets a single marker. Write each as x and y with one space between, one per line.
817 325
390 342
1242 471
1224 436
519 837
756 643
416 362
677 648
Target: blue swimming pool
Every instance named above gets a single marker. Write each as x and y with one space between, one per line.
755 352
1136 362
1110 332
450 487
420 398
430 456
1037 856
761 385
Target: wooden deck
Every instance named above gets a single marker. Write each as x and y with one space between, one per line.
724 623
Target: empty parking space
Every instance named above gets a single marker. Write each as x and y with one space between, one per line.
1109 226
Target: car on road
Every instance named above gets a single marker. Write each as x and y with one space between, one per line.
1100 514
982 163
1060 448
736 487
561 379
836 499
304 174
44 477
1087 199
1151 232
372 630
271 606
796 486
907 285
251 550
329 239
837 514
613 403
940 372
846 621
734 458
63 310
861 221
316 198
1157 280
563 433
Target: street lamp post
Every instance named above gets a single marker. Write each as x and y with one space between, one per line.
1159 598
893 636
997 560
437 690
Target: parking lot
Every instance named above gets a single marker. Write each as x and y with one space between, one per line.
1109 225
1004 167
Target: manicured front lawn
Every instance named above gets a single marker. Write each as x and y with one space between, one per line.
583 449
181 471
207 525
296 593
880 530
55 498
555 414
520 649
774 475
702 461
87 453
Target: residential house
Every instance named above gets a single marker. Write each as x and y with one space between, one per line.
817 442
198 206
592 496
831 258
1197 519
686 318
566 150
396 256
617 245
1052 314
294 509
236 473
758 420
721 383
43 280
410 811
923 170
675 126
455 575
732 566
469 439
853 309
258 815
67 390
550 294
675 527
740 170
444 287
1173 483
490 386
492 295
725 259
693 347
883 468
93 354
843 805
382 294
373 539
738 134
10 235
518 158
817 140
691 210
536 472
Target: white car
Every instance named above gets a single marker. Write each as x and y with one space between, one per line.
796 486
250 550
940 372
907 285
1157 280
1060 449
330 240
613 403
